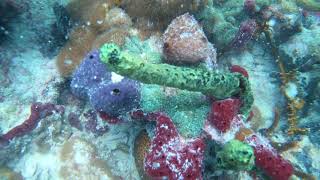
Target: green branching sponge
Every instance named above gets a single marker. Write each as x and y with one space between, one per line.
218 85
236 155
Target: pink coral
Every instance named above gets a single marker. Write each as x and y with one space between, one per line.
171 156
185 42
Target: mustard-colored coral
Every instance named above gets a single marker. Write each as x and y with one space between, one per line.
294 102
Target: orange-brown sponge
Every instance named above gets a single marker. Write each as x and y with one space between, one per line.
71 54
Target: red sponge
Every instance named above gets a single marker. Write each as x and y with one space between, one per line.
267 159
223 113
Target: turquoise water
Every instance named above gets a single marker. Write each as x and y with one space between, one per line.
153 89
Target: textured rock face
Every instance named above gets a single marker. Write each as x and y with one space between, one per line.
185 42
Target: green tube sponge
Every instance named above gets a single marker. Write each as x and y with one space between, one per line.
218 85
235 155
310 5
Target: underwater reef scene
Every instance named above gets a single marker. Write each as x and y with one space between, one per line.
159 89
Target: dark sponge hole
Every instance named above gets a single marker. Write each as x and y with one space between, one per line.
116 92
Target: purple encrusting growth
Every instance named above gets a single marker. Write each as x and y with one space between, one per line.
245 33
115 98
92 81
91 124
90 73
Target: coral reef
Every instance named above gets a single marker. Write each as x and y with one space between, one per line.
266 157
92 13
172 157
147 50
185 42
294 103
191 121
74 121
219 85
236 155
239 69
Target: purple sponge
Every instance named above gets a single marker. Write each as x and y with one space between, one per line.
115 98
90 73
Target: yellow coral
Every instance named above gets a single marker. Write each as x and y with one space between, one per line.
294 103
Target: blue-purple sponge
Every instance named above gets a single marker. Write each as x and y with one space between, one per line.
115 98
90 74
92 81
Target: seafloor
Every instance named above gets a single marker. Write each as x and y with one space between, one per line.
51 129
